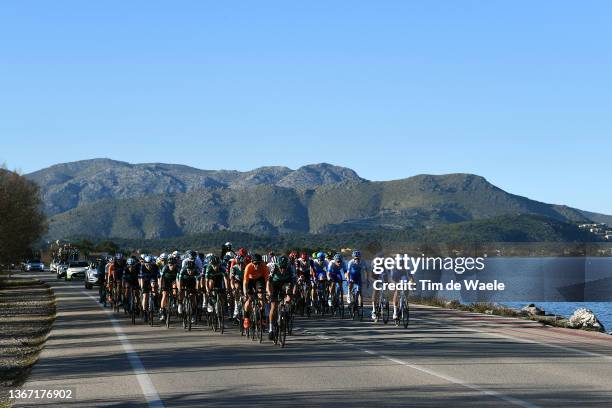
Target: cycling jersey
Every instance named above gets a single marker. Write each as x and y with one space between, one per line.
188 281
131 274
217 275
148 273
303 267
254 272
236 272
336 271
355 270
320 269
116 271
276 276
198 264
169 274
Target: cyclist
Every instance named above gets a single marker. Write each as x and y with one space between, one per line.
186 282
130 277
256 274
236 277
147 278
354 272
192 255
162 261
399 276
167 283
271 260
335 271
384 277
216 278
319 274
227 249
279 284
115 274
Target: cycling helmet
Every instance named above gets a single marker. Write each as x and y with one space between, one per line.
321 255
293 255
338 258
228 245
163 256
172 261
190 265
356 253
214 260
148 259
330 255
304 256
176 254
242 252
283 262
118 256
257 258
131 261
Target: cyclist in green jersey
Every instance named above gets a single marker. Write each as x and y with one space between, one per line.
279 284
167 283
216 278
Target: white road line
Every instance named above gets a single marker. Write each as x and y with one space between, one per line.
148 389
484 391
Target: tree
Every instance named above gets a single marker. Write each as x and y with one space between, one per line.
22 221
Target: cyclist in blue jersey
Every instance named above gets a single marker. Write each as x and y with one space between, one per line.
335 271
319 273
355 269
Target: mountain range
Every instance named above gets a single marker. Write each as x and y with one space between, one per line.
105 198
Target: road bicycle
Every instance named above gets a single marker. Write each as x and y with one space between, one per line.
188 299
356 308
403 314
382 307
217 315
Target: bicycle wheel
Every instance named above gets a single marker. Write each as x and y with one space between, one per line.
132 306
260 326
405 314
220 315
282 328
151 309
255 320
385 312
189 314
184 314
168 312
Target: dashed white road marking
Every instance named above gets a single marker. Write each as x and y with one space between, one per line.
448 378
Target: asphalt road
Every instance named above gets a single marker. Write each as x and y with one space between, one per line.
444 359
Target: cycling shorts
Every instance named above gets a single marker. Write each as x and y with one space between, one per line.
279 289
335 277
257 285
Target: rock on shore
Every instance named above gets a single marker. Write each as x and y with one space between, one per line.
585 319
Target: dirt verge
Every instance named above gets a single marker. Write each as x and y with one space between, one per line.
27 312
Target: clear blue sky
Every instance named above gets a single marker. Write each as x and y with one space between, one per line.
517 91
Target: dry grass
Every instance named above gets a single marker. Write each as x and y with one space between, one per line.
27 312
